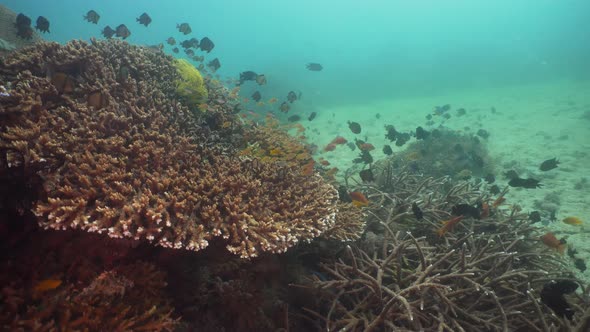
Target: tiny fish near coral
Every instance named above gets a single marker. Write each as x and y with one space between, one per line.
46 285
358 199
551 241
448 225
573 221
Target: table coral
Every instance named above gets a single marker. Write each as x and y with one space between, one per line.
141 165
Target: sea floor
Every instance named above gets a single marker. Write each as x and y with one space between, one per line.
526 124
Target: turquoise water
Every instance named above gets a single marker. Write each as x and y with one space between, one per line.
371 50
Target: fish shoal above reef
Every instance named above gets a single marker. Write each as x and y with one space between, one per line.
127 131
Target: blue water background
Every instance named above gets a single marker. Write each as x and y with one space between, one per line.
370 50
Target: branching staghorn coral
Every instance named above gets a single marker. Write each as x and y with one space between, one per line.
140 165
483 275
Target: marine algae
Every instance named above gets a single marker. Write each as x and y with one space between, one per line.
190 85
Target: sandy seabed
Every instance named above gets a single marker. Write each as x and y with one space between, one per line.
530 124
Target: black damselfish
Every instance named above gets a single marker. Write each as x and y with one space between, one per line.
552 296
549 164
525 183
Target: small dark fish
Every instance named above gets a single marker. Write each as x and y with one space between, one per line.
465 210
417 212
314 67
364 157
256 96
214 64
22 20
490 178
343 194
483 133
494 190
185 44
402 138
367 175
355 127
461 112
25 32
189 52
206 45
548 165
175 50
580 264
108 32
535 216
440 110
525 183
391 133
122 31
351 145
144 19
261 79
198 58
552 296
291 97
285 107
171 41
193 42
312 116
184 28
92 17
378 116
294 118
387 150
421 133
247 76
42 24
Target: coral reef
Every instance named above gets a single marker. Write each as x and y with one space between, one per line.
483 275
447 152
138 164
189 84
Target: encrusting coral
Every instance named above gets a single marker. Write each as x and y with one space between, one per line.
190 85
140 165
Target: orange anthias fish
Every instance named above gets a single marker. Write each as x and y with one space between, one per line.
552 242
46 285
358 199
573 221
485 210
448 225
